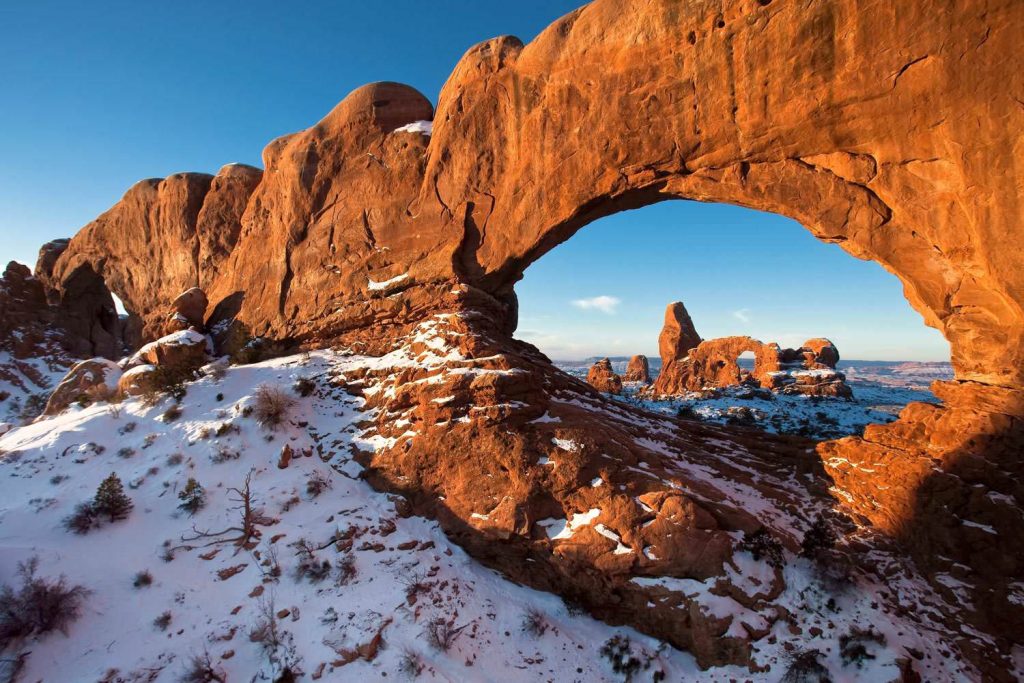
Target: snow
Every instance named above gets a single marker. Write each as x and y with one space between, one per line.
179 338
214 614
375 286
47 467
880 391
424 127
565 444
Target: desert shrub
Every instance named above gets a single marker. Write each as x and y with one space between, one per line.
163 621
686 412
310 566
111 500
58 478
224 454
192 497
411 664
317 483
304 386
803 667
574 605
126 428
534 623
266 631
835 572
346 569
39 605
216 371
201 669
619 653
271 405
853 645
442 634
819 539
125 452
175 459
171 379
101 393
414 585
82 520
226 428
762 545
172 413
143 579
33 407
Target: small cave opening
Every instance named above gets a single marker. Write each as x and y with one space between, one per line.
749 280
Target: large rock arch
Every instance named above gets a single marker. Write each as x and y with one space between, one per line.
892 129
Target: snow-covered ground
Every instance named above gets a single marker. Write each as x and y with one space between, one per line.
389 578
405 573
880 391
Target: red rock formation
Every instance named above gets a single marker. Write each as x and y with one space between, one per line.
871 138
93 379
29 336
638 370
602 377
188 310
678 335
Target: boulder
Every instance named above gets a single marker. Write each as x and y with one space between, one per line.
182 350
188 310
638 370
93 378
602 377
139 380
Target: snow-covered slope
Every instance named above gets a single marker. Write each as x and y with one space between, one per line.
404 573
391 580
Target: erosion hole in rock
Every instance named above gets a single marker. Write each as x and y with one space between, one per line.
742 274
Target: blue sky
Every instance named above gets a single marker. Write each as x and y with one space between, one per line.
739 272
99 95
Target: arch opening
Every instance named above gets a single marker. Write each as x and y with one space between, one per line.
748 279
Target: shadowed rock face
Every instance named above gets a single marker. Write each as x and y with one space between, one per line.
888 128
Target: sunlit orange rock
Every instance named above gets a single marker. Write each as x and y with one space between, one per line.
602 377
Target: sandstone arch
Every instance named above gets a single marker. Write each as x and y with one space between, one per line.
891 129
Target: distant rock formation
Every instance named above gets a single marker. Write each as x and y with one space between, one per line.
602 377
809 370
638 370
678 335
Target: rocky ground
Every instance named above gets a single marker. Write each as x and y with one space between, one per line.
880 390
337 581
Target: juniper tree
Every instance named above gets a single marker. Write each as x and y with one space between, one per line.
193 497
818 539
111 500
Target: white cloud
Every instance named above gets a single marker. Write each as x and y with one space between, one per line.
603 303
743 315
